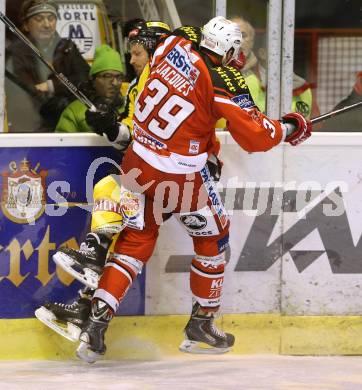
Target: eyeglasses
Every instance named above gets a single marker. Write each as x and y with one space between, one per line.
111 77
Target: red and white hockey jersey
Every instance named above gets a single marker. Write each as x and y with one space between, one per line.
175 115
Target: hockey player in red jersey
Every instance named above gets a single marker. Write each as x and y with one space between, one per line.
190 87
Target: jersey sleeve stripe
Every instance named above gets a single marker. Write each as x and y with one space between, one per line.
225 101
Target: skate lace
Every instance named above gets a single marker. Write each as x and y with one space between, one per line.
67 306
86 249
217 331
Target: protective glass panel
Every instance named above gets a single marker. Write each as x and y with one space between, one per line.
65 35
252 19
328 56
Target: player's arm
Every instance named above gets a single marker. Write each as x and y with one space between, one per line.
251 129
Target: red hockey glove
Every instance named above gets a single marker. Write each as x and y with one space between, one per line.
302 131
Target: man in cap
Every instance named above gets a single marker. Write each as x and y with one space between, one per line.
47 94
102 88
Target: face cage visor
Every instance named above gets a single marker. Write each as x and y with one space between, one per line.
148 43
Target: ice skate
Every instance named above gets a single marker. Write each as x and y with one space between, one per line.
203 337
92 346
66 320
85 264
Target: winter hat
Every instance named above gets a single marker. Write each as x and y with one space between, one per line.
106 58
31 8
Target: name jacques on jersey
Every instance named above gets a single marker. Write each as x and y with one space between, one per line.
178 70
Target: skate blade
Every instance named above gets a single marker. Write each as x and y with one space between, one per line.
196 347
71 332
86 354
88 277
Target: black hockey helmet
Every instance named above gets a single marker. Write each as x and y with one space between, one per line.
148 34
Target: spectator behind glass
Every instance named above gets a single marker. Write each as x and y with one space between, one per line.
102 88
351 120
254 72
30 84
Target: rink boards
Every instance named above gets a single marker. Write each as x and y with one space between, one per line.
294 279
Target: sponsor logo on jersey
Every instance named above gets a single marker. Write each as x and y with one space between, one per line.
214 197
130 204
223 243
178 58
216 288
133 208
194 147
107 205
146 139
228 81
23 192
232 78
243 101
192 33
237 77
194 221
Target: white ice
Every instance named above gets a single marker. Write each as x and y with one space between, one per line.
228 372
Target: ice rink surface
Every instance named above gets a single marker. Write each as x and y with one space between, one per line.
188 373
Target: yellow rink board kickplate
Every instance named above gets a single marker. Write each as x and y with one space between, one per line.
154 337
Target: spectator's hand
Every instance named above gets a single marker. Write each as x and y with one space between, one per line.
103 121
302 128
215 166
42 87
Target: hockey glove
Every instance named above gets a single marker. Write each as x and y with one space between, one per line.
215 167
302 128
103 121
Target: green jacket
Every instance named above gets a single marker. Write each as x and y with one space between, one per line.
302 94
73 120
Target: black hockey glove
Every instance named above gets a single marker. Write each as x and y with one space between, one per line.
103 121
215 167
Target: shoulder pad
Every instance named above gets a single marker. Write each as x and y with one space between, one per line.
190 33
228 81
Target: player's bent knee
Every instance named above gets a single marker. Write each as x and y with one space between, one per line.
107 188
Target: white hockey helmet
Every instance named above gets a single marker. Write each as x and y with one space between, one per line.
220 35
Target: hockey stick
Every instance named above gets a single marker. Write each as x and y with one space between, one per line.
335 112
60 76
